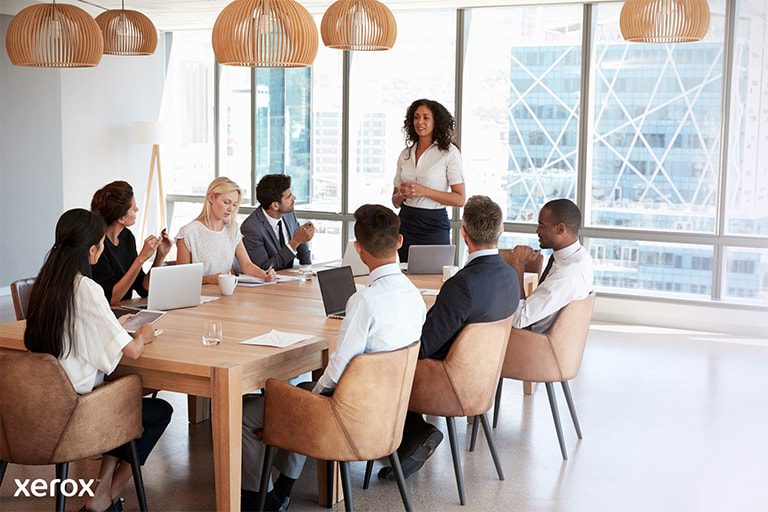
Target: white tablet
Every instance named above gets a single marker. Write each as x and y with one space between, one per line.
145 316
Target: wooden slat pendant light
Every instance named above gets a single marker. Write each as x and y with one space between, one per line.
265 34
127 32
54 36
358 25
664 21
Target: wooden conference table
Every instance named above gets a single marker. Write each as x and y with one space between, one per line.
177 360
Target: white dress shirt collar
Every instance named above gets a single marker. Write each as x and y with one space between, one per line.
482 252
566 252
272 221
382 271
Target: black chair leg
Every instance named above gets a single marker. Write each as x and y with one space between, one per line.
329 480
62 469
491 444
368 471
266 472
394 461
456 457
475 423
571 407
556 417
346 486
138 481
3 465
497 403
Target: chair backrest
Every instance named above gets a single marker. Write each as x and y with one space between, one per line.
371 399
464 383
44 421
20 292
553 356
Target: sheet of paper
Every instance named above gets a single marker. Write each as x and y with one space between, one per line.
208 298
429 292
276 338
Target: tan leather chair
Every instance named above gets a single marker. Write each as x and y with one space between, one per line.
44 421
463 384
553 356
362 420
20 292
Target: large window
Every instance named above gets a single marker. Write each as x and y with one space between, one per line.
553 103
521 105
656 129
382 85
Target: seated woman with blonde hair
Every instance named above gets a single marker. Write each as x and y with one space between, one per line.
214 239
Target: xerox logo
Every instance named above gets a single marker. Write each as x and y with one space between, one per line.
41 488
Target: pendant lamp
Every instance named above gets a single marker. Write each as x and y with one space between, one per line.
664 21
127 32
265 34
54 36
358 25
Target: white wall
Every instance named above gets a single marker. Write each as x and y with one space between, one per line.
63 134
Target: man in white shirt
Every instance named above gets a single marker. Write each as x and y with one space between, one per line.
271 234
386 315
568 273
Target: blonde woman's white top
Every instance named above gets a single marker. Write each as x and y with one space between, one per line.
436 169
214 249
99 338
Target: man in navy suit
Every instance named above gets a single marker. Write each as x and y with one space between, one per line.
271 234
485 290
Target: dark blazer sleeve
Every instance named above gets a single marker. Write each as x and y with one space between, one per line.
262 251
446 318
103 274
302 251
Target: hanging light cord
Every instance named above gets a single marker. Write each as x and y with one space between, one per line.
93 5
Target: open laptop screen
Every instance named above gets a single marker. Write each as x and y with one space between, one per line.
337 285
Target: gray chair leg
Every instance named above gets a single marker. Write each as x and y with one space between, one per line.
368 471
456 457
138 481
475 425
3 466
266 472
62 470
394 461
556 417
571 407
497 403
346 486
491 444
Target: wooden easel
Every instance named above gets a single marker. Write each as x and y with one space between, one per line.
155 160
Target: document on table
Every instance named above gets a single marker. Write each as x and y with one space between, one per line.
251 281
277 339
429 292
208 298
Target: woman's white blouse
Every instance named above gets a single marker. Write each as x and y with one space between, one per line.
214 249
436 169
99 338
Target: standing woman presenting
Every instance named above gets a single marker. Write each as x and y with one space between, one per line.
429 176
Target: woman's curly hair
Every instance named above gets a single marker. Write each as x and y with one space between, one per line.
443 133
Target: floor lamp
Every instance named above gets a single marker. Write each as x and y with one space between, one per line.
154 133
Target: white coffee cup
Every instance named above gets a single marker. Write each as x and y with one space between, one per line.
449 271
227 284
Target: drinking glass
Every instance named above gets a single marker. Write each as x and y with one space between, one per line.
212 333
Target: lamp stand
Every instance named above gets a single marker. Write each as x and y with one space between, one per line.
154 161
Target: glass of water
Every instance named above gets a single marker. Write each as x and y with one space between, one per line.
305 272
212 333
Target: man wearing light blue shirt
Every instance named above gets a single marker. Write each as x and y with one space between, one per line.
386 315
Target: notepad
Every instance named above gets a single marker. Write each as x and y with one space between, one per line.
276 338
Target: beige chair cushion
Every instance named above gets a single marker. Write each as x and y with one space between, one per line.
465 382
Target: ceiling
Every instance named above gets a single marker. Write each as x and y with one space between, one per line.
198 14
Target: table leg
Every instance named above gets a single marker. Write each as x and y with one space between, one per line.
528 387
198 408
325 471
227 420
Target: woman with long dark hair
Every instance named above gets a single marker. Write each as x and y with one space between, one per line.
429 176
118 270
70 318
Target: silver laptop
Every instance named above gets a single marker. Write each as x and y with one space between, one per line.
429 259
337 285
174 287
